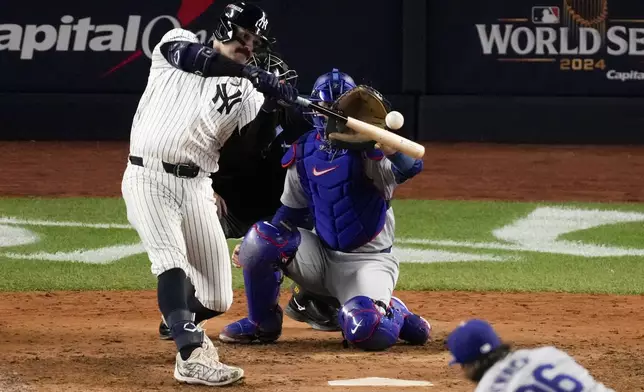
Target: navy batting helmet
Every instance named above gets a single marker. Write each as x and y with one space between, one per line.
247 16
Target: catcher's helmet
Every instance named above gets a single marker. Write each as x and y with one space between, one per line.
271 62
327 88
247 16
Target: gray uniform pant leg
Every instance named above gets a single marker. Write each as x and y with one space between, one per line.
343 275
373 275
308 268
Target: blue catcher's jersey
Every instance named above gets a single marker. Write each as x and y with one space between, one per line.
348 209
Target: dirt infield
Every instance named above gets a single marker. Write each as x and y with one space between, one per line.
107 341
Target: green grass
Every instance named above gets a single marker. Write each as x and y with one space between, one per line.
435 220
81 209
541 273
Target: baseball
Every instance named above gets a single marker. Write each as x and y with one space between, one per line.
394 120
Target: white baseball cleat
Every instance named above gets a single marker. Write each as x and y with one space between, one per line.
203 367
208 345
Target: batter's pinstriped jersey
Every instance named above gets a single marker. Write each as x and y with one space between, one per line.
186 118
382 175
544 369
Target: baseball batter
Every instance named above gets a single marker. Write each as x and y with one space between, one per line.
491 364
195 98
348 254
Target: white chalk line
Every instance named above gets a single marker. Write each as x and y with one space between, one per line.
379 381
537 232
36 222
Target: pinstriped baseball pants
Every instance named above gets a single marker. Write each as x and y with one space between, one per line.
176 219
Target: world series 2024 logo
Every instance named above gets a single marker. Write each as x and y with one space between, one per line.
578 35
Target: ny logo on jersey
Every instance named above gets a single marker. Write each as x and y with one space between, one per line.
227 102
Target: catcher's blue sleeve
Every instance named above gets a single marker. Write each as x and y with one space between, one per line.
404 166
300 217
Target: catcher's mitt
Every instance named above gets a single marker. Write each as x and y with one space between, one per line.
363 103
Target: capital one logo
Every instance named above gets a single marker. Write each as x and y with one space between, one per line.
79 35
82 35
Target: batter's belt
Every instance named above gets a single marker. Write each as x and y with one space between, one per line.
181 170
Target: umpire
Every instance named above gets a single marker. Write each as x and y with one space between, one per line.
250 179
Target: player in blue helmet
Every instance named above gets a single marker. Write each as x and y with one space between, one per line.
320 312
346 193
494 366
326 89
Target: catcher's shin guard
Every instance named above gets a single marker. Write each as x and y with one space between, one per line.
265 250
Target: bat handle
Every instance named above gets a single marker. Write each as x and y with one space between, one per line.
302 101
320 109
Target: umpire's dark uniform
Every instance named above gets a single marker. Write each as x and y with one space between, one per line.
251 180
250 177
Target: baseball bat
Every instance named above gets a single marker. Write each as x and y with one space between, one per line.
379 135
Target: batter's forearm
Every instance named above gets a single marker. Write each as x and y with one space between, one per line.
200 59
404 166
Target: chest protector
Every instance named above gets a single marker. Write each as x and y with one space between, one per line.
348 209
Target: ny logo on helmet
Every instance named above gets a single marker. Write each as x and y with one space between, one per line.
262 23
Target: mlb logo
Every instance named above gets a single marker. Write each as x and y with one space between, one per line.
545 15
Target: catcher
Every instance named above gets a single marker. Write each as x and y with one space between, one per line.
345 184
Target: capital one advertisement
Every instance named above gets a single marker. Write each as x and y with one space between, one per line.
558 47
101 47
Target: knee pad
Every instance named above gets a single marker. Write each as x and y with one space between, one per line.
370 326
415 329
265 244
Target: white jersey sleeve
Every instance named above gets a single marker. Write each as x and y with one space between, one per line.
158 61
544 369
251 105
382 175
293 195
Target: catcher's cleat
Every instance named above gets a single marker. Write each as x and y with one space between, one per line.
415 329
245 331
164 331
317 314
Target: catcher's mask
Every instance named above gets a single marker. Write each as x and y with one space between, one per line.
363 103
326 89
271 62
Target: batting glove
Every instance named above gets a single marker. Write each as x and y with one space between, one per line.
270 85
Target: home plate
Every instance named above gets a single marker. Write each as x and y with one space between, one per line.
379 382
